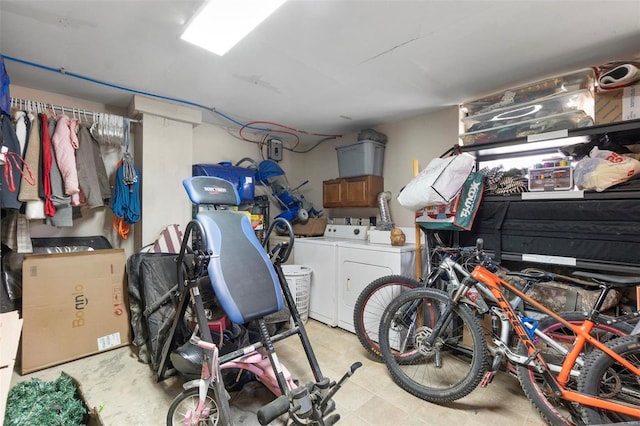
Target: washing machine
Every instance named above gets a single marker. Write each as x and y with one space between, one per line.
321 255
360 263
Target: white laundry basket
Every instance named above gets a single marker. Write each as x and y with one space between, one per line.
299 281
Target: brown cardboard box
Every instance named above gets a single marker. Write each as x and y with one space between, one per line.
485 323
73 305
311 228
618 105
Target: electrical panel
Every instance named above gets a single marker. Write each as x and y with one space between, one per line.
275 149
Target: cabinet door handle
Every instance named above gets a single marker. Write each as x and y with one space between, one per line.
348 284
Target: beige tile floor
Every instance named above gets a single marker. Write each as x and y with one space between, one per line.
129 395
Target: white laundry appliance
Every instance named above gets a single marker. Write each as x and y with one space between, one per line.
360 263
343 263
321 255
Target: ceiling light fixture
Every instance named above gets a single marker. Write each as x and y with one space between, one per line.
220 24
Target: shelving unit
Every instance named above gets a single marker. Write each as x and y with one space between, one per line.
577 229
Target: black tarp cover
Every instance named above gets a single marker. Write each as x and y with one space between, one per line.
605 230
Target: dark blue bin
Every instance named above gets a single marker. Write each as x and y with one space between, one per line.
241 177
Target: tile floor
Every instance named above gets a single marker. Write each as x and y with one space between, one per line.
129 395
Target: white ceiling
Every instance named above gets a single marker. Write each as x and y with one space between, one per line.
317 66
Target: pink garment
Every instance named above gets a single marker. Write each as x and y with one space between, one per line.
73 128
65 141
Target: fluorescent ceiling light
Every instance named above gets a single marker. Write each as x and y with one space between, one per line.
220 24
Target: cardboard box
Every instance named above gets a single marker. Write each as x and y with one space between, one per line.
73 305
485 323
311 228
10 327
618 105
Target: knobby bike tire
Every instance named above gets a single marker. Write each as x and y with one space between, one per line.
370 305
188 400
555 410
607 379
463 351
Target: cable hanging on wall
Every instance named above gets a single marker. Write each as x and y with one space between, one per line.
271 126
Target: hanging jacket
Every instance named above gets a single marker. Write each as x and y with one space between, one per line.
5 99
61 201
47 161
8 198
65 142
21 123
92 174
32 159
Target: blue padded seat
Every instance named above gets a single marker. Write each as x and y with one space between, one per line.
241 273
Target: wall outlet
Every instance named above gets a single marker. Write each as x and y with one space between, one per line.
274 147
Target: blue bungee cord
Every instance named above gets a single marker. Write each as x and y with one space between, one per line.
126 192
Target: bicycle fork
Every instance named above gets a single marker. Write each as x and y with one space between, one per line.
444 319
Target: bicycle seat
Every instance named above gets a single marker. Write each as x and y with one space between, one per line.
243 278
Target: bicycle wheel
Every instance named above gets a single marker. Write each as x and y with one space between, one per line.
555 410
445 371
607 379
370 305
186 403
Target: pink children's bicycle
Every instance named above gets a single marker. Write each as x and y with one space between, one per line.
248 286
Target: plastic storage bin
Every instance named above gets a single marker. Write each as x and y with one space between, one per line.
551 178
569 120
359 159
581 100
241 177
583 79
299 282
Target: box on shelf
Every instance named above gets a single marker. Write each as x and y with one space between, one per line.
580 100
359 159
617 105
558 178
568 120
583 79
313 227
73 305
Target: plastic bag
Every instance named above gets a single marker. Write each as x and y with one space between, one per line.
603 169
460 213
438 183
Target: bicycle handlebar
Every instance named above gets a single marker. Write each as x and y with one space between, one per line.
286 247
273 410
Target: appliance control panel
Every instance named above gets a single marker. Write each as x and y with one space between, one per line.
351 232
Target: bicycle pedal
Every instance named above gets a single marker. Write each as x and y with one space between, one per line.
488 378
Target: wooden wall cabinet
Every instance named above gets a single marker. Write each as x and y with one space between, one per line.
359 191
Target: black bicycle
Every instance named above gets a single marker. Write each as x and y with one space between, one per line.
378 294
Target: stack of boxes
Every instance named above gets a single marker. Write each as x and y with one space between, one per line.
618 105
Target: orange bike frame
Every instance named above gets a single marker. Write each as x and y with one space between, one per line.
583 333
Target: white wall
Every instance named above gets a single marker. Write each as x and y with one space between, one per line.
421 138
